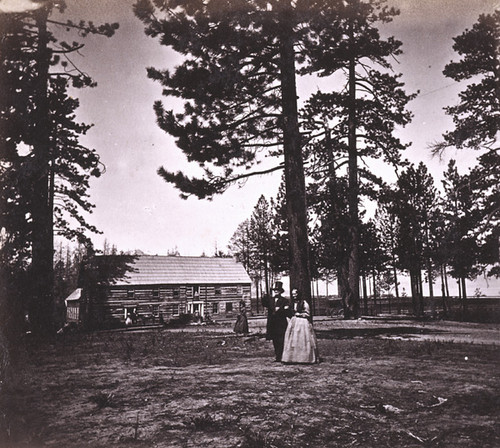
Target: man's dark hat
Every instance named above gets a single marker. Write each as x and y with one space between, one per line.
278 286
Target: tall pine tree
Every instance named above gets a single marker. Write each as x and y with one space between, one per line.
476 120
356 123
42 161
238 82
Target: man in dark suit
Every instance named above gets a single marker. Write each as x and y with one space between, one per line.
278 311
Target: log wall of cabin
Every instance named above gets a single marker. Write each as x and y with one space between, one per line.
169 301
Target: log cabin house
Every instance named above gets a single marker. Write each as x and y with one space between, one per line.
155 289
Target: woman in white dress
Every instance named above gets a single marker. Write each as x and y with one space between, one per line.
300 346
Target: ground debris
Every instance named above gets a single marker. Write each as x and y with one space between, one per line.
420 439
388 409
413 436
440 401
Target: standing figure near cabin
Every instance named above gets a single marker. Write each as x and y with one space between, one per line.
300 344
128 320
279 310
241 325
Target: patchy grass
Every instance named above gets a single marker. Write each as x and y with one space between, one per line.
213 389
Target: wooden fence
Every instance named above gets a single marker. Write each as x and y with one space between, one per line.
480 309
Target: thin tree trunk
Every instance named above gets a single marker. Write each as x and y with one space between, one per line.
443 290
464 297
421 294
395 276
258 293
446 283
431 289
374 278
294 168
365 294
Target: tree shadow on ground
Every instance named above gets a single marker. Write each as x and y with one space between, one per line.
347 333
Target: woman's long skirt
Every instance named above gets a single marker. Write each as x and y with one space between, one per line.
241 325
300 342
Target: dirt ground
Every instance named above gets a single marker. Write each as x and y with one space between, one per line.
381 383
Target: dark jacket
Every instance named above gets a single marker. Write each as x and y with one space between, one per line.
279 310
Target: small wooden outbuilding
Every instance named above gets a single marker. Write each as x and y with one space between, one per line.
157 289
72 303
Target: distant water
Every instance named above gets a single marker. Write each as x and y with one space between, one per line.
485 287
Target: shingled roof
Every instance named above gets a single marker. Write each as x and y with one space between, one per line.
161 270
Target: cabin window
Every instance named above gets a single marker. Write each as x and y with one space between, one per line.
176 293
215 308
229 307
196 291
130 293
218 290
155 310
156 292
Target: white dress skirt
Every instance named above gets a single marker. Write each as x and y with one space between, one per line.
300 346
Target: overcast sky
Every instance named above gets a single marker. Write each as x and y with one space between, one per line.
136 209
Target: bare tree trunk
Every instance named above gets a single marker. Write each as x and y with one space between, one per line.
446 283
266 270
294 168
431 289
395 276
420 294
443 290
464 297
416 291
259 295
42 303
353 194
365 295
343 281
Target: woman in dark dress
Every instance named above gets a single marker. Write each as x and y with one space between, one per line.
241 325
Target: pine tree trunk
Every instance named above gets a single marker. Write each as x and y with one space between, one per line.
431 289
353 298
414 291
42 301
446 283
343 281
266 274
464 297
365 295
294 168
395 276
420 294
258 294
443 290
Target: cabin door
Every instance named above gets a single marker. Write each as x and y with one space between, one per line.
196 308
